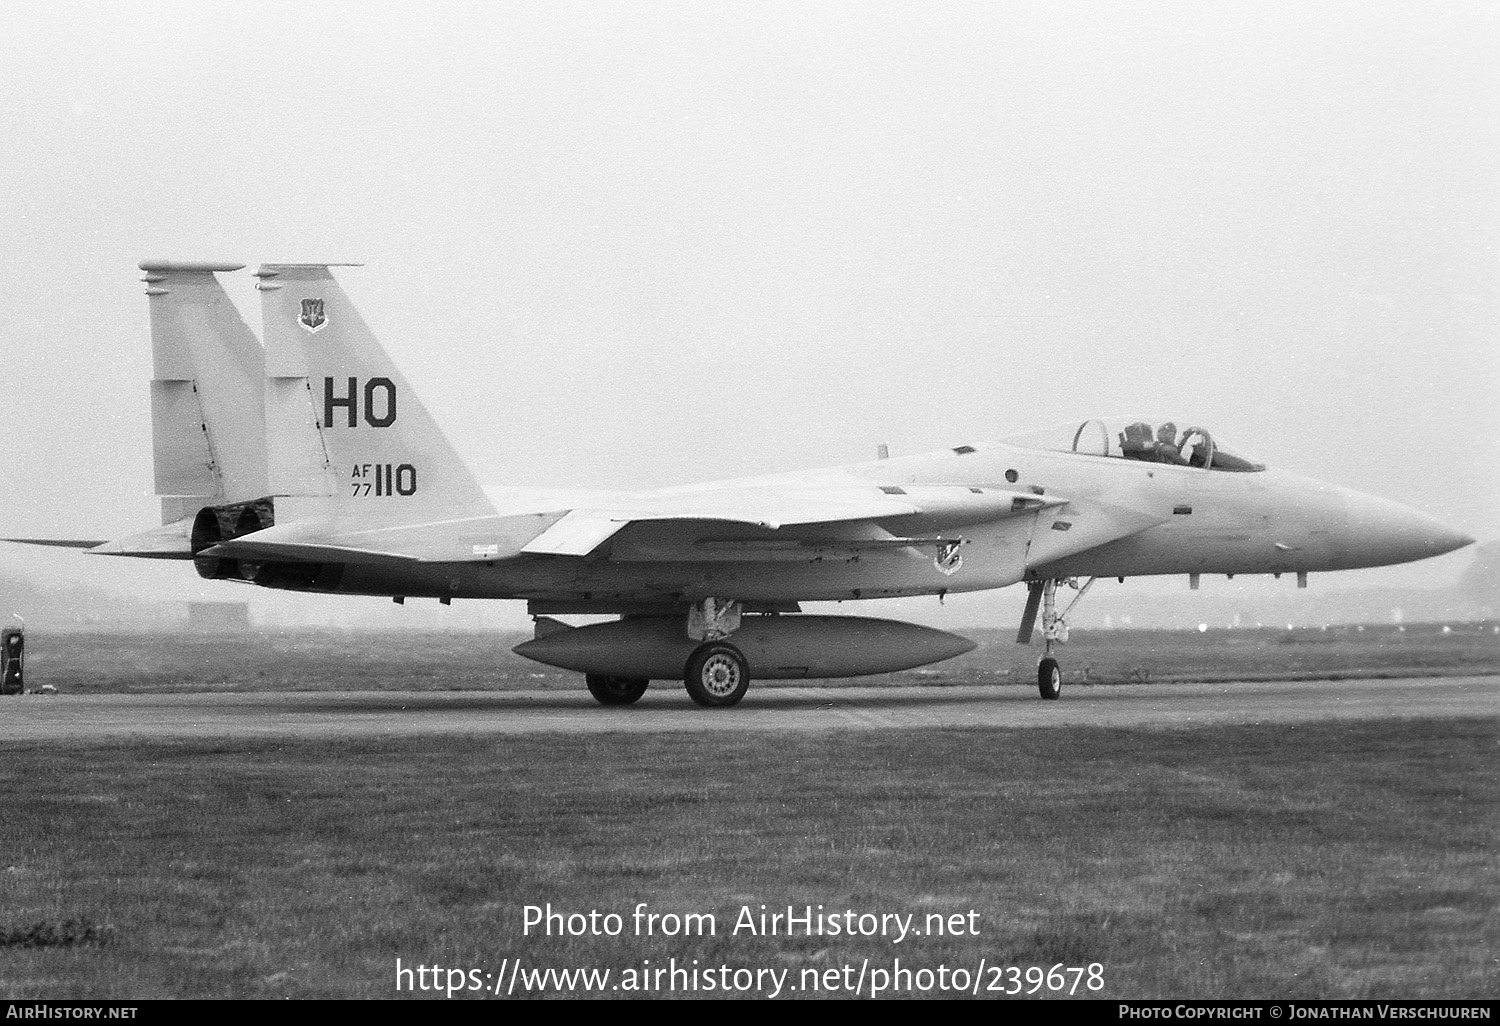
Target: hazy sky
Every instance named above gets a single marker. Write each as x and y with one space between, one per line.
630 244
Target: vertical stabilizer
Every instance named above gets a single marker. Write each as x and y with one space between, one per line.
207 403
342 419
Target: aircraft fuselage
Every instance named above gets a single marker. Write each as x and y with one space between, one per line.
1122 518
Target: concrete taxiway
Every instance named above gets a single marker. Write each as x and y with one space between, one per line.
372 714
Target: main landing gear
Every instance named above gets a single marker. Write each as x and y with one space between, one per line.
1049 676
717 674
612 690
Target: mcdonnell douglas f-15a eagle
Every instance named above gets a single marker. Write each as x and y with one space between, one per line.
309 464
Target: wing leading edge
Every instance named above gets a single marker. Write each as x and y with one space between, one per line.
581 531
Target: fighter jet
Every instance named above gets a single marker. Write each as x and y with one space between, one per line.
310 464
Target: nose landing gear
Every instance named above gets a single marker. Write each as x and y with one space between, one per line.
1043 593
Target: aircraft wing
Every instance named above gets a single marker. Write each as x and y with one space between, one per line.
584 529
918 516
248 548
852 514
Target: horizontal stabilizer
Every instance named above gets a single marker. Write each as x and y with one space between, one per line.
61 543
170 541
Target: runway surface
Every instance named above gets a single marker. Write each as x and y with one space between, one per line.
367 714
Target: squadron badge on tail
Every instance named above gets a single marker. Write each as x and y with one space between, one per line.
312 317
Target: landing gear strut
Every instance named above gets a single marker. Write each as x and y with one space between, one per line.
717 674
1054 630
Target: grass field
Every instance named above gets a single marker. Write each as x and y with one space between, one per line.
1328 860
310 660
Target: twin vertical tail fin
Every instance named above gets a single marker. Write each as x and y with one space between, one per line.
207 418
319 411
207 409
341 419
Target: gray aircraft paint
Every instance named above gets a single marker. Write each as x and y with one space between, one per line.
388 508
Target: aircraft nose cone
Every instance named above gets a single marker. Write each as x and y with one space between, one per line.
1383 532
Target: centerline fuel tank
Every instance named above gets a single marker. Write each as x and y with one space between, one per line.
776 647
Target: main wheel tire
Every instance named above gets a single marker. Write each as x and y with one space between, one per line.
717 675
610 690
1049 679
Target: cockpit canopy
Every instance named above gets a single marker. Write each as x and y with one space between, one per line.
1147 439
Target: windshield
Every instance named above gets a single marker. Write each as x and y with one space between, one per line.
1146 439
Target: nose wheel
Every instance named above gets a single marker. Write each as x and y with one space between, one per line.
1049 678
